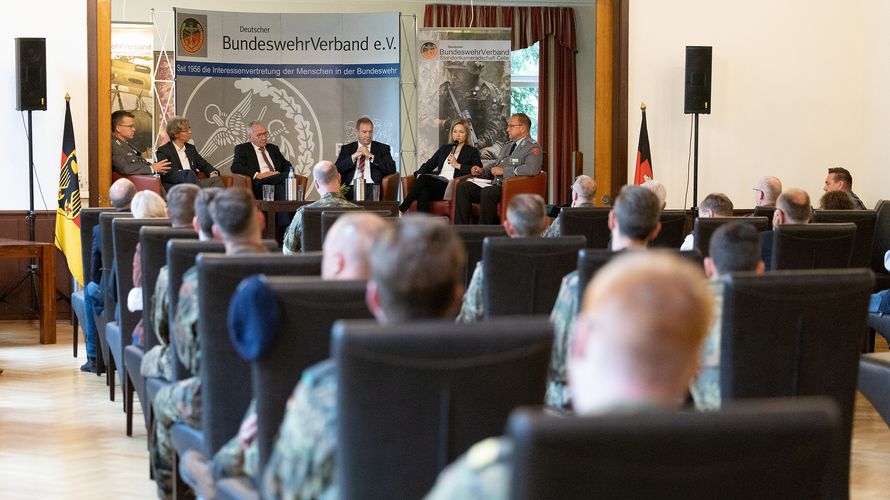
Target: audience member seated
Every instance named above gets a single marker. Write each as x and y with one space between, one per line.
836 200
526 217
635 348
767 191
145 205
880 302
345 256
634 221
840 179
261 161
125 158
327 183
416 269
792 207
120 194
583 195
734 247
238 223
185 161
659 190
521 156
451 160
187 206
714 205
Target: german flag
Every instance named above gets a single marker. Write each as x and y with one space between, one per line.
68 213
644 157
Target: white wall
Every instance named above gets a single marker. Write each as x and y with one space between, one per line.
63 24
798 86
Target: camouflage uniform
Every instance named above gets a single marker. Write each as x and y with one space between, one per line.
563 315
303 460
156 362
705 388
472 309
240 455
292 241
483 472
179 402
555 229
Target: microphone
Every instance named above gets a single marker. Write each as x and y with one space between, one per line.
454 147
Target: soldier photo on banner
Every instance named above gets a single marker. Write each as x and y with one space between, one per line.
131 77
464 75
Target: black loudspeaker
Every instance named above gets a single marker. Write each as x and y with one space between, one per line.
698 80
30 74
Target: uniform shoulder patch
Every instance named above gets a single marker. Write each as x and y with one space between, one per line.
536 150
483 453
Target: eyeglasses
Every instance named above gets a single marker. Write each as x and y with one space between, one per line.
127 126
514 125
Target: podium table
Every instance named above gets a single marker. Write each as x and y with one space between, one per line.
45 254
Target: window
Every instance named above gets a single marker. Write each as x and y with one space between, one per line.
524 84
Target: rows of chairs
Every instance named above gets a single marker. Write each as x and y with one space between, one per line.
806 343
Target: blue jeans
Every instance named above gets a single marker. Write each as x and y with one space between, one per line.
94 303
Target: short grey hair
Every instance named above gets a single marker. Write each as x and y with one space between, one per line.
121 193
324 172
148 205
585 186
175 125
526 213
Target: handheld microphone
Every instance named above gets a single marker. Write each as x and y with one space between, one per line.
454 146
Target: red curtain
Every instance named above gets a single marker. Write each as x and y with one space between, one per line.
554 28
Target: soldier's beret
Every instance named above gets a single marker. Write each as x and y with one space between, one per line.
253 317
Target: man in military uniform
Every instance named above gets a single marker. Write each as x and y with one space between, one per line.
521 156
239 224
158 361
412 264
634 221
327 182
648 314
125 158
526 217
466 96
734 247
583 195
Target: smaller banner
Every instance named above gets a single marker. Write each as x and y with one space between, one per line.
68 213
643 171
131 77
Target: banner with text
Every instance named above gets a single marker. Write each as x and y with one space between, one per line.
464 74
308 77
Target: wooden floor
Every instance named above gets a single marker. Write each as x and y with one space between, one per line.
60 436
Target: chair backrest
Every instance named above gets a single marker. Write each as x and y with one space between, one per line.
328 218
813 246
473 235
126 236
142 182
389 187
154 257
309 307
89 217
796 333
673 229
311 238
881 241
765 212
411 398
521 276
865 231
766 449
224 374
590 222
105 221
389 206
704 227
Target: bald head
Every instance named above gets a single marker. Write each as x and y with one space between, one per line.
327 179
767 191
641 326
793 207
346 251
121 193
583 190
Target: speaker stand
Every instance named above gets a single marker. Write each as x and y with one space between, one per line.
695 166
31 274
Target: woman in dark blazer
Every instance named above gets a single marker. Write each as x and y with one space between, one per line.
450 161
180 132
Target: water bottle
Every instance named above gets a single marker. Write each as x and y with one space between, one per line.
290 187
358 189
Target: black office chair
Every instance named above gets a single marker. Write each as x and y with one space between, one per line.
813 246
874 382
880 245
462 381
865 231
704 227
765 212
328 218
770 449
673 229
310 239
108 319
590 222
391 207
89 217
796 333
472 236
521 276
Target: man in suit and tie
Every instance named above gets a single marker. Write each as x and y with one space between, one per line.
261 161
364 158
521 156
125 158
185 161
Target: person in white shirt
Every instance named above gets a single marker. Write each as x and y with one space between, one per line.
364 158
714 205
185 161
262 161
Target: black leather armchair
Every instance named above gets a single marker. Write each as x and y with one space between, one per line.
704 227
813 246
590 222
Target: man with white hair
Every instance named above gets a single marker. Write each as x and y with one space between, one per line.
767 191
327 182
583 195
659 190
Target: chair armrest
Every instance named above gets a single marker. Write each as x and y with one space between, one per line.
453 186
226 180
146 183
407 183
242 181
389 187
528 184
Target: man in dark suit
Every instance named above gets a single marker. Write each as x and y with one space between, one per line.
521 156
185 161
261 161
370 159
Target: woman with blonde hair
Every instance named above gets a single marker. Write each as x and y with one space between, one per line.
148 205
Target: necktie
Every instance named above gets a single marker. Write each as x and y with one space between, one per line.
361 166
512 148
266 159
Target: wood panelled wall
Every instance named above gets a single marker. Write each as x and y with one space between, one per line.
14 225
